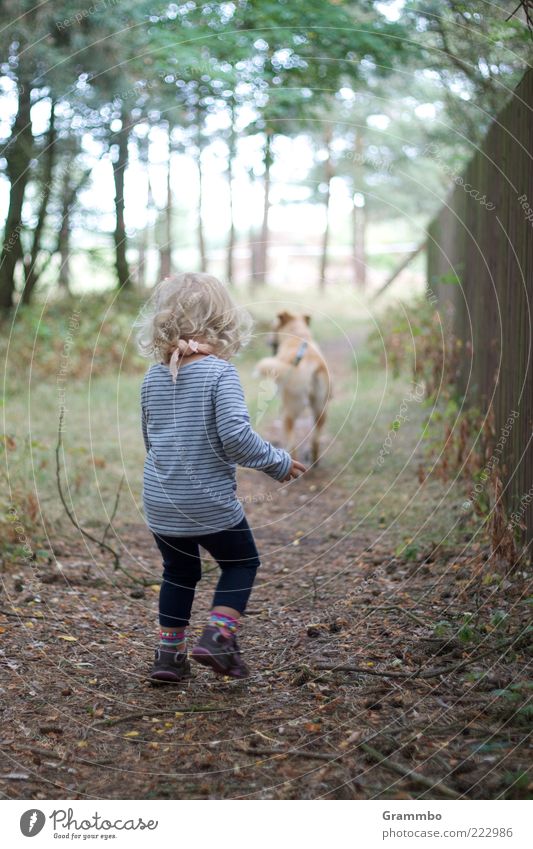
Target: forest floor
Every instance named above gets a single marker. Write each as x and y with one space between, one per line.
388 650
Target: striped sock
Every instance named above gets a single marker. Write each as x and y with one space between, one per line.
175 640
226 623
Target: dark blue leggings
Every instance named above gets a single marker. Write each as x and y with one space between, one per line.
235 552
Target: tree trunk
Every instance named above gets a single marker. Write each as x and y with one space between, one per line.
64 250
262 252
199 208
18 158
63 237
141 261
252 244
359 221
165 251
328 173
143 146
201 236
69 193
359 246
231 234
120 163
49 156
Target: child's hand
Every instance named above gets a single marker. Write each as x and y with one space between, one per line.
295 470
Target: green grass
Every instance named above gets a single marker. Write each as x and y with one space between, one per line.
388 499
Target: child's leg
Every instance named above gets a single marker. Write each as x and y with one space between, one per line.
181 572
236 554
234 550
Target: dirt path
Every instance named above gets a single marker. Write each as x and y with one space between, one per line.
354 693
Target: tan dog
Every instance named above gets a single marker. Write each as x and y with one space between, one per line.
301 374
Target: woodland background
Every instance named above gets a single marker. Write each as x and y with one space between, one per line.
370 163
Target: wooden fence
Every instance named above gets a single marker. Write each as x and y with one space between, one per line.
483 240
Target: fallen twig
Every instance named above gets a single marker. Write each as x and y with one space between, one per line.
405 676
430 673
377 756
300 753
43 753
384 760
23 615
400 610
165 712
15 776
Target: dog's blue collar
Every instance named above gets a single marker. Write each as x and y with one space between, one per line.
300 353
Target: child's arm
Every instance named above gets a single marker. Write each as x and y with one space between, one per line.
241 443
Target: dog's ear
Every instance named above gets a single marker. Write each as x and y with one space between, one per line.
307 319
284 317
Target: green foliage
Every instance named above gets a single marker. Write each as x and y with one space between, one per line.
408 550
470 628
449 279
408 340
467 631
442 628
78 338
268 68
500 620
473 47
517 785
515 701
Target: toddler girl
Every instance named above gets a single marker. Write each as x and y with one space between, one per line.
196 430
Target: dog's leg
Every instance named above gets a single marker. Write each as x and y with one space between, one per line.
318 401
288 429
315 438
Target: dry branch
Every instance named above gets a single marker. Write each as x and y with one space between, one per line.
398 270
114 510
405 772
299 753
401 610
378 757
22 615
430 673
100 542
176 709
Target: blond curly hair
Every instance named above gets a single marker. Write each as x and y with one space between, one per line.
192 306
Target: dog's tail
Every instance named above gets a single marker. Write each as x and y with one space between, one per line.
270 367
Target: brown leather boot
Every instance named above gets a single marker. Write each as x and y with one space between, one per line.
169 667
220 652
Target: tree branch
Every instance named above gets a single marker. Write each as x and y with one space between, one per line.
405 772
86 534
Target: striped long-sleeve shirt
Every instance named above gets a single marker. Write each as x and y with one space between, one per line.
196 431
